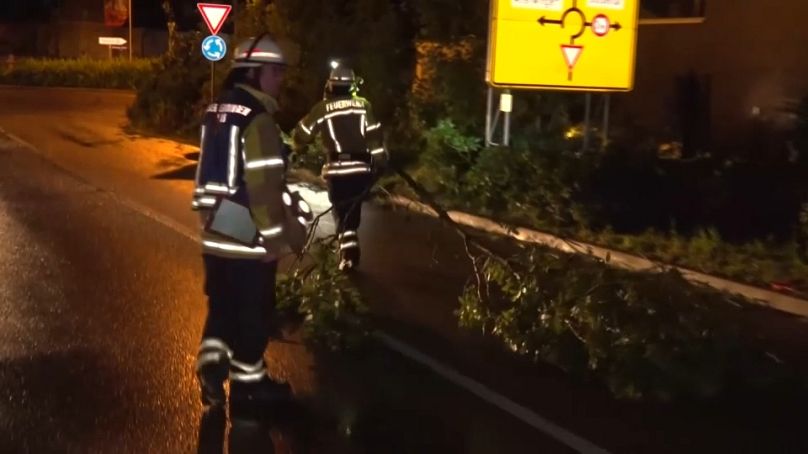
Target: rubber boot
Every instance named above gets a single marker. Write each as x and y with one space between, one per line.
254 395
212 369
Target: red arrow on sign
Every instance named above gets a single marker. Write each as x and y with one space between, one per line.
214 15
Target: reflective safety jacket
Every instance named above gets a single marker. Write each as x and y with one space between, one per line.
241 160
350 133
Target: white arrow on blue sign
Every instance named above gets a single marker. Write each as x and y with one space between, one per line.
214 48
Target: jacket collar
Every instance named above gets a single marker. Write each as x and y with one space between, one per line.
268 101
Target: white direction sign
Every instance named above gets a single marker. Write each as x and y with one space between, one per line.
111 41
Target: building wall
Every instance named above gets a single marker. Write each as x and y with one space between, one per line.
82 10
73 31
80 39
753 52
18 39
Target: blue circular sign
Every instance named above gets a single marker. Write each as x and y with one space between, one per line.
214 48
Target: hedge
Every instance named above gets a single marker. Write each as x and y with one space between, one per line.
84 72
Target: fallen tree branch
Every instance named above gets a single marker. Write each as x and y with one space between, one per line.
468 240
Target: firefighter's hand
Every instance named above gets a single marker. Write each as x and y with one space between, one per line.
288 153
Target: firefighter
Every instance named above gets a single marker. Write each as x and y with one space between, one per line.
355 153
248 222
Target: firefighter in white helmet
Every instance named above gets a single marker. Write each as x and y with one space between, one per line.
355 152
249 220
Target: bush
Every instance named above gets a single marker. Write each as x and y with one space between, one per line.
84 72
537 185
173 97
644 335
735 219
448 155
540 186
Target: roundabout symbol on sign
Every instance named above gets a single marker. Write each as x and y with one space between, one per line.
214 48
600 25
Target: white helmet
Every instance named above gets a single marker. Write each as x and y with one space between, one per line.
258 51
342 75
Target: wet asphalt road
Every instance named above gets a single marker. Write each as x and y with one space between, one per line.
100 314
101 308
95 351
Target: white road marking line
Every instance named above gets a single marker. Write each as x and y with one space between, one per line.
519 412
132 205
492 397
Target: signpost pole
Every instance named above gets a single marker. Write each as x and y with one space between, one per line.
130 30
495 123
212 80
506 127
111 42
606 107
489 106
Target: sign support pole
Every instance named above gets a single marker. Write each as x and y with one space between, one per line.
491 123
506 127
212 80
488 125
130 30
606 108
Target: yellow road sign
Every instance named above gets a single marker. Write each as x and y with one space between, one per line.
563 44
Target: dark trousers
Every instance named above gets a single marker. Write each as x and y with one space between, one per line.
241 304
346 194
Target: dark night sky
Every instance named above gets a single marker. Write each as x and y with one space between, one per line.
147 13
26 10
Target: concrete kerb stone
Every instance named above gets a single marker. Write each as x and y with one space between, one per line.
773 300
763 297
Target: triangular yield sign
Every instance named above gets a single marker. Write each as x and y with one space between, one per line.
571 54
214 15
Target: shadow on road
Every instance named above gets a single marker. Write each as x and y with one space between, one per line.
244 436
380 404
285 430
47 401
74 137
186 172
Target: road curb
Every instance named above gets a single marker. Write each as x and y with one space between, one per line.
762 297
